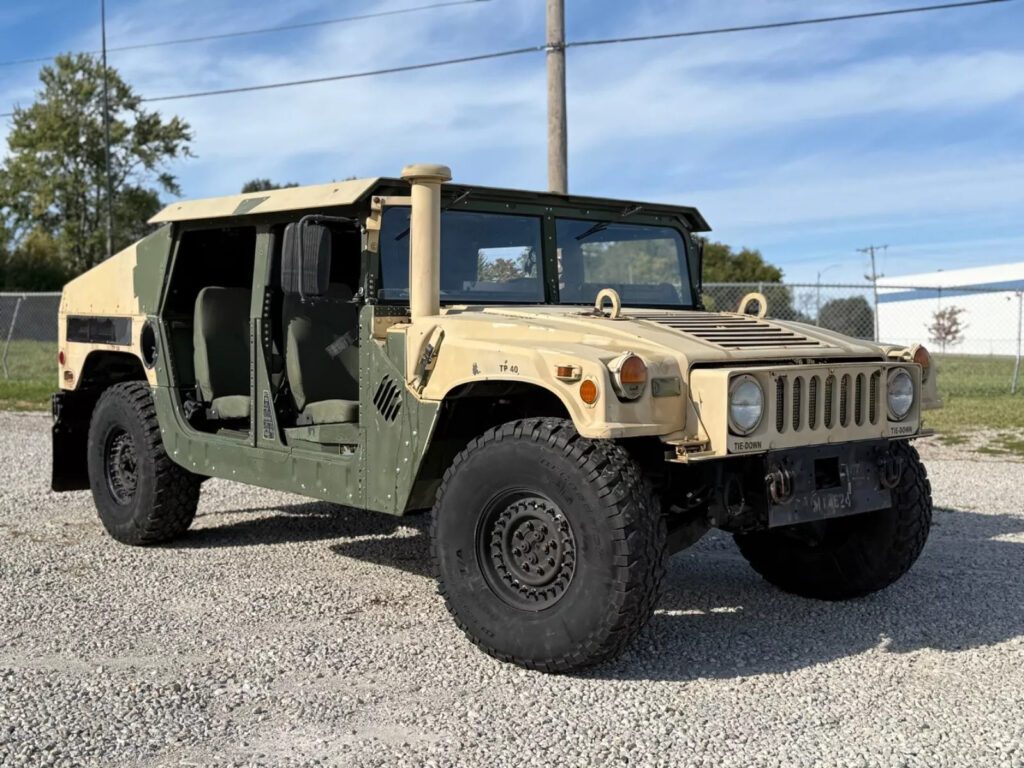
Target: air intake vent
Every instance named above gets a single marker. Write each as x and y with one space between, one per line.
729 331
798 391
388 399
830 396
844 400
780 404
873 401
812 403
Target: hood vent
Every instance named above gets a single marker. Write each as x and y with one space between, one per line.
729 331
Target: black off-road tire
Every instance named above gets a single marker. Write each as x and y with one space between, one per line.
848 557
585 507
142 497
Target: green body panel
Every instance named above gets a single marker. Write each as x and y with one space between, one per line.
393 449
374 464
152 255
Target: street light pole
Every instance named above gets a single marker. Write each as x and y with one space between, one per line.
558 153
106 133
873 277
817 303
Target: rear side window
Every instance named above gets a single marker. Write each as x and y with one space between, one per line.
485 257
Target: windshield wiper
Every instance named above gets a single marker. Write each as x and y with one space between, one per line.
598 227
603 225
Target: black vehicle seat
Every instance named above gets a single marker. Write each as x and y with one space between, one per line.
221 340
322 356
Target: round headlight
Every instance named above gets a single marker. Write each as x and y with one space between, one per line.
746 405
900 393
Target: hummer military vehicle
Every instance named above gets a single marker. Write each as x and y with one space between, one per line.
536 369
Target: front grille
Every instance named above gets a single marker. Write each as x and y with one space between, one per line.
818 403
729 331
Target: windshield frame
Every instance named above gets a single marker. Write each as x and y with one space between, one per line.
481 202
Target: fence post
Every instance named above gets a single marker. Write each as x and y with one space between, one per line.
10 333
1020 317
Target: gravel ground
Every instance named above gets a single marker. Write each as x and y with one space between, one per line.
285 632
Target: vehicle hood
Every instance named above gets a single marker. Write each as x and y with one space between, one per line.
701 337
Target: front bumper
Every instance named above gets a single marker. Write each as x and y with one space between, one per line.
803 485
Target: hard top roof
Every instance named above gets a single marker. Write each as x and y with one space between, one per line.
352 191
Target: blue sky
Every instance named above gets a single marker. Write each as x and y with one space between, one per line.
806 143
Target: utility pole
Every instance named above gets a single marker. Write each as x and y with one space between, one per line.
873 277
558 152
106 133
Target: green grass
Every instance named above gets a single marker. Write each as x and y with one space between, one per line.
976 393
32 376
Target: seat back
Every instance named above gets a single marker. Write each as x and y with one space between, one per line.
321 353
221 340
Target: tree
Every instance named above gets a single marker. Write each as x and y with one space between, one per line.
946 327
851 317
723 265
264 185
53 183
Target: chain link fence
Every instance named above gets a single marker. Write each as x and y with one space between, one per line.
28 330
965 320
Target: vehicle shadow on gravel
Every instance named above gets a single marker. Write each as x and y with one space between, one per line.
718 619
398 542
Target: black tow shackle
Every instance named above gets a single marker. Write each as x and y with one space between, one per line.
890 470
780 484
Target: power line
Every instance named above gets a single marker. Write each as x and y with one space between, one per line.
258 31
351 75
781 24
538 48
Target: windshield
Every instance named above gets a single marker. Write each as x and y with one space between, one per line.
646 265
485 257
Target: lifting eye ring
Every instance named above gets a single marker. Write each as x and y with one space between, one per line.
762 304
613 296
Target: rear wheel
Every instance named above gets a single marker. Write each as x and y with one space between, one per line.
852 556
142 497
548 547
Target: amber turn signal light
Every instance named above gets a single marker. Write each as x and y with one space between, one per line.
923 358
588 392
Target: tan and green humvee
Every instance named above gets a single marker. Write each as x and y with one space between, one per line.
535 368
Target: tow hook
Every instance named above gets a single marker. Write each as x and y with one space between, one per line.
890 470
780 484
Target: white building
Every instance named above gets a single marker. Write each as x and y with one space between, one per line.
990 297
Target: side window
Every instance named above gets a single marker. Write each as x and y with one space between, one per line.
485 257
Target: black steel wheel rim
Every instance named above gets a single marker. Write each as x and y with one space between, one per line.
120 466
526 550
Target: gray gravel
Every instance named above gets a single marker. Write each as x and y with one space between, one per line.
286 632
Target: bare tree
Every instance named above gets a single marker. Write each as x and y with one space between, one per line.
946 328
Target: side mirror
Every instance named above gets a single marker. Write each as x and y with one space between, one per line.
305 259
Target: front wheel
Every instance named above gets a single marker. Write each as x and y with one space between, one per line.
848 557
142 497
548 547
